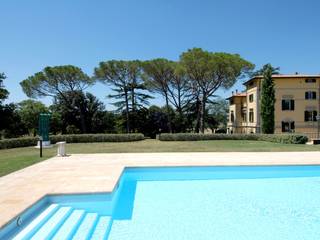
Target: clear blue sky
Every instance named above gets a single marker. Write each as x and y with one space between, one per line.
38 33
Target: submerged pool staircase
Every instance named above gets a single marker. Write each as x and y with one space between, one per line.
63 222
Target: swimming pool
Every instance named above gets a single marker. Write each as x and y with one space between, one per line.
225 203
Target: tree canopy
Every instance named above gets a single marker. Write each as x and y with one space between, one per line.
53 81
58 82
29 111
209 71
188 86
125 77
3 92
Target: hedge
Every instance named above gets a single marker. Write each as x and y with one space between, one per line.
87 138
278 138
18 142
72 138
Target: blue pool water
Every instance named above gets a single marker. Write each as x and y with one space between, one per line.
225 203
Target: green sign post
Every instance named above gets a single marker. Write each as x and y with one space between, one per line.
44 120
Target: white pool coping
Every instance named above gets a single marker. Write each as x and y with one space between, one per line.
93 173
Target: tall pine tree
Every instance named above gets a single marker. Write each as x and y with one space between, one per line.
268 98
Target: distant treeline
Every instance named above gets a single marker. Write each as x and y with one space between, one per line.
188 87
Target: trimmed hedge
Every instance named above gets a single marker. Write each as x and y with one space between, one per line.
18 142
87 138
72 138
278 138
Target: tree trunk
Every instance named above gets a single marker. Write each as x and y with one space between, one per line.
198 105
202 113
133 106
83 121
127 111
168 113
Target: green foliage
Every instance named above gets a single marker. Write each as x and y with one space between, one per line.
58 81
29 111
18 142
210 71
218 114
10 122
53 81
3 92
71 138
72 129
159 75
85 111
87 138
126 79
280 138
268 99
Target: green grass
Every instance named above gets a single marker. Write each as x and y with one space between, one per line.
14 159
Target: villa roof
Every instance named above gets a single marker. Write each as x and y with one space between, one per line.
243 94
284 76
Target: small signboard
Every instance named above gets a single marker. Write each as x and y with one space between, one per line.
44 119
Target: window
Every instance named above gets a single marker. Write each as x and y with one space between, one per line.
287 105
251 115
244 115
231 101
310 80
310 116
251 98
232 116
287 126
310 95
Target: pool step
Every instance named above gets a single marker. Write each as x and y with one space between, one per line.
36 223
69 226
63 223
86 227
102 228
53 224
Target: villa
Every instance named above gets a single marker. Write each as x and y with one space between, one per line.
296 109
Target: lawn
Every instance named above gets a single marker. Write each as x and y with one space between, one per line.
14 159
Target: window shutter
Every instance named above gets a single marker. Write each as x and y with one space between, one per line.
282 102
314 95
292 126
306 95
292 105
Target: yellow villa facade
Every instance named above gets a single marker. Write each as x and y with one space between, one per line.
296 109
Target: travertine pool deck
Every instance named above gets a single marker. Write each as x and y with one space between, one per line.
89 173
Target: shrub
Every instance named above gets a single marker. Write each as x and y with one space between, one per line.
18 142
72 138
279 138
87 138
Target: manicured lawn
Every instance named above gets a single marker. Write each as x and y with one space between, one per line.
14 159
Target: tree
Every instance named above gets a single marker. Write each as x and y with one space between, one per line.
3 92
218 114
57 82
153 121
85 103
10 121
268 98
158 74
211 71
29 111
125 77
